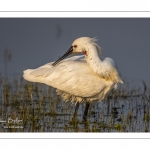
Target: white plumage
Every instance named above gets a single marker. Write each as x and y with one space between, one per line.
79 78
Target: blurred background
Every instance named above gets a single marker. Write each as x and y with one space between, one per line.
27 43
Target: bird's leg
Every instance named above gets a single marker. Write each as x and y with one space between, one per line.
86 111
76 110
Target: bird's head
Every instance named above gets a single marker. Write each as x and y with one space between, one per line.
79 45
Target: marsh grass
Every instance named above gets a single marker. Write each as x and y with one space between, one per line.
35 107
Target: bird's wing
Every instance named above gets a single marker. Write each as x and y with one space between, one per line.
72 76
46 69
110 71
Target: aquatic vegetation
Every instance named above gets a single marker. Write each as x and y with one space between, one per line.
34 107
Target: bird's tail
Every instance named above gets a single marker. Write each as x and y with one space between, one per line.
27 76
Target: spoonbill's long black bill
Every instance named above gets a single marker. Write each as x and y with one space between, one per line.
70 51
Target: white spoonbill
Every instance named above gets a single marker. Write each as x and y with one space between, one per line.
80 78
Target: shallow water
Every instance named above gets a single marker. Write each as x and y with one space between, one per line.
34 107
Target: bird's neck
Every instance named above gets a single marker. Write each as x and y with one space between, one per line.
104 69
93 59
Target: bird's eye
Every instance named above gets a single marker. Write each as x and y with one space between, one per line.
75 46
